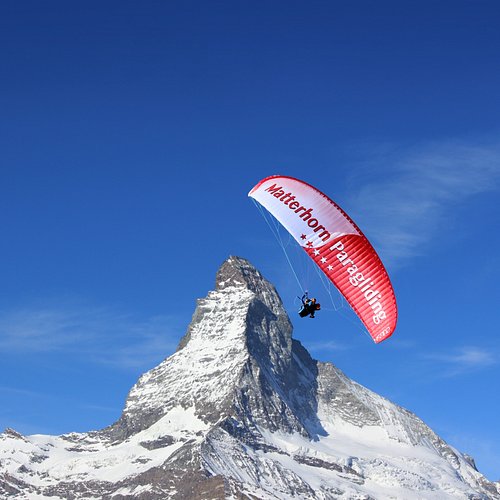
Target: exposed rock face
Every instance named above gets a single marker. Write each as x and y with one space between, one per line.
241 410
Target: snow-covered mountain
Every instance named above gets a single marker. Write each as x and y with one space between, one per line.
241 410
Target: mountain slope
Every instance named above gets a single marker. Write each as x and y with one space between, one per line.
241 410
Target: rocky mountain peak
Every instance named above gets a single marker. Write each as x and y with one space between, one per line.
237 272
239 334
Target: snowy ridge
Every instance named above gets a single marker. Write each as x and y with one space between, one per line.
241 410
56 465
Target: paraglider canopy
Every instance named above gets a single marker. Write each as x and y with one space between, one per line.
336 245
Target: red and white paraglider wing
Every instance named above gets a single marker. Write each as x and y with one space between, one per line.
337 246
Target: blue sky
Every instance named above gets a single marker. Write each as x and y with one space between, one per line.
131 134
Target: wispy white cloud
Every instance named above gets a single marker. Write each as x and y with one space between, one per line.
148 343
45 330
101 335
406 195
329 346
464 359
18 392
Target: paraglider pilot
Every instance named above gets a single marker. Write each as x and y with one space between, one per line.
309 306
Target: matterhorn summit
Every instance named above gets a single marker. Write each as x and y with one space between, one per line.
241 410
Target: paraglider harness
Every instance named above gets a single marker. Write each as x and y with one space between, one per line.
309 306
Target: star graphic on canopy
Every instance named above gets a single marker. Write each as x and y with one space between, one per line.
323 260
303 236
330 267
316 252
309 243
